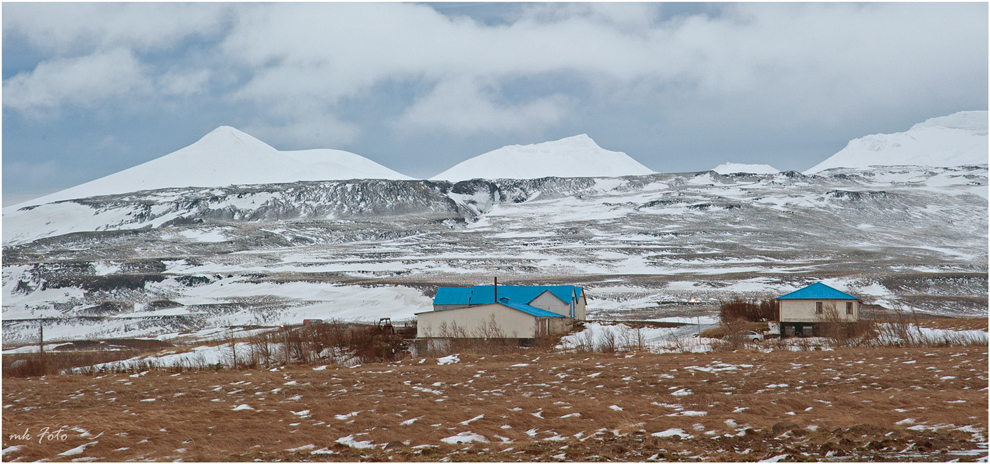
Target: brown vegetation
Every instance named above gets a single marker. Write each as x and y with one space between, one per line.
35 364
883 403
754 310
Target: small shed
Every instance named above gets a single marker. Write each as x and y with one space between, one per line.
803 310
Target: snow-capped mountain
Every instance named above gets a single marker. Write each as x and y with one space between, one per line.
736 168
956 140
227 156
577 156
151 262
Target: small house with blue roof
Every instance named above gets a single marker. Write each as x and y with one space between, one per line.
803 310
502 311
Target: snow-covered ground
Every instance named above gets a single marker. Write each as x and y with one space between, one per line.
621 337
636 243
595 336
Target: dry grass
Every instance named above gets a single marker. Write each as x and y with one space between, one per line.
861 404
973 323
35 364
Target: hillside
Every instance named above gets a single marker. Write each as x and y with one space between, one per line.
577 156
167 261
227 156
956 140
736 168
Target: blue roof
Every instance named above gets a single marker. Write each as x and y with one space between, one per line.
484 294
817 291
530 310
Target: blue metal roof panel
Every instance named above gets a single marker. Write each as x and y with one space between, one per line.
530 310
817 291
454 295
484 294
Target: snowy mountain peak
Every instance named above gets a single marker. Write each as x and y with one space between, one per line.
227 156
580 140
954 140
576 156
228 140
971 121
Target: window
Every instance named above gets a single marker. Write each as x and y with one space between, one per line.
849 307
818 307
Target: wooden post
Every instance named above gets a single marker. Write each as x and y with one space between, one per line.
233 348
496 289
285 346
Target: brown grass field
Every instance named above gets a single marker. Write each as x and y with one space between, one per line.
876 404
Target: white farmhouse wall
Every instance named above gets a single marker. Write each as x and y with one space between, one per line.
560 325
437 307
512 323
549 302
806 310
579 308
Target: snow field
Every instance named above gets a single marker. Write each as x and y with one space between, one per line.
607 231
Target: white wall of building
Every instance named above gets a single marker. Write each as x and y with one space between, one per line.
477 322
549 302
806 310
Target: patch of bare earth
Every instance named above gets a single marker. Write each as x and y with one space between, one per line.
895 404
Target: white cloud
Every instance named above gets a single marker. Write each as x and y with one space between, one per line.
462 107
780 63
814 60
184 82
304 127
82 28
627 16
80 81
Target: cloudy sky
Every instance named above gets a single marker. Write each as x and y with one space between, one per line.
90 89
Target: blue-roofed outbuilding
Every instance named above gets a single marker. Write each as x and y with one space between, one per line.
807 310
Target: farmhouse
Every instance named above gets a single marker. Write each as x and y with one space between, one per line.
502 311
803 310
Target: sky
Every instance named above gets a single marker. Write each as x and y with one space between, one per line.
90 89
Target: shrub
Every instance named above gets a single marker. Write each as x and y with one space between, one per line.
754 310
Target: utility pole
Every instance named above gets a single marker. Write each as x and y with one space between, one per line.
41 344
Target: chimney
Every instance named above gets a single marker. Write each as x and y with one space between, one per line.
496 289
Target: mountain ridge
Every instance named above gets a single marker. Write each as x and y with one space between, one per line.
227 156
955 140
575 156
